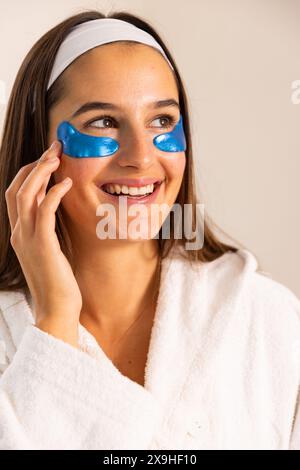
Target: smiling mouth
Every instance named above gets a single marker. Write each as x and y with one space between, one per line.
130 191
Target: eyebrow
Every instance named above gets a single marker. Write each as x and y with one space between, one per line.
96 105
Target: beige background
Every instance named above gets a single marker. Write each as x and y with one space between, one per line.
238 59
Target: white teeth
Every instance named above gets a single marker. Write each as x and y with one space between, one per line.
132 191
112 189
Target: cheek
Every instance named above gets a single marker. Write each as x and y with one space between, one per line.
175 167
81 170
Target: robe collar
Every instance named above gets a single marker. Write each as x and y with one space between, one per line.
182 319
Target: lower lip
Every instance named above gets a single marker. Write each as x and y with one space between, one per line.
135 200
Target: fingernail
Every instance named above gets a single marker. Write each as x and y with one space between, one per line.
67 180
55 145
53 159
48 157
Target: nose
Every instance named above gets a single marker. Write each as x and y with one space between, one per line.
136 149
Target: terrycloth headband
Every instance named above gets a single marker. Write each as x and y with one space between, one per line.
93 33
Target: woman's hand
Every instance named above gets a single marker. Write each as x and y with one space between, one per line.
56 295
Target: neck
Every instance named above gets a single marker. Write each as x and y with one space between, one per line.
117 280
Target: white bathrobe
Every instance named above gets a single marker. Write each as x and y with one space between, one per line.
223 370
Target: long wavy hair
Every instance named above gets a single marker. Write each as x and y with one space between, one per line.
24 139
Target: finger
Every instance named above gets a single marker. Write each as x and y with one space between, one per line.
45 219
41 194
32 186
10 193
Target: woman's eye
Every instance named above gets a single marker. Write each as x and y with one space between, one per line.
103 126
108 122
168 120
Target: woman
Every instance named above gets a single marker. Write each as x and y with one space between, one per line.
124 342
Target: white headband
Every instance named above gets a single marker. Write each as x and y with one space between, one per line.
90 34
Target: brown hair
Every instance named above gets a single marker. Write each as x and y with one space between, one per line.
25 139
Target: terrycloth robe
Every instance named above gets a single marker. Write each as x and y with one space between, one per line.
222 372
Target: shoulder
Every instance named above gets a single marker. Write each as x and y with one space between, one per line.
15 316
10 299
270 309
235 280
258 285
260 288
277 310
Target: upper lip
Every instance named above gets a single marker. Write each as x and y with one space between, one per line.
135 182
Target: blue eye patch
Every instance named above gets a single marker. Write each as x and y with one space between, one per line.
79 145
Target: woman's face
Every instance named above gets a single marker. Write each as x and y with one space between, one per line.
133 79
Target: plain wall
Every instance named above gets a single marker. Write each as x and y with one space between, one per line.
238 60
